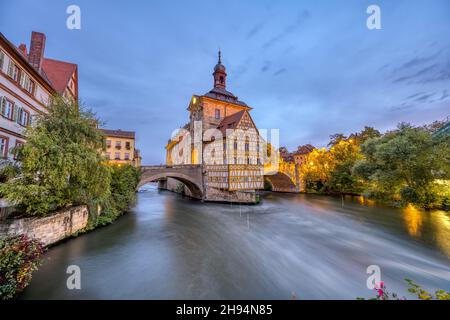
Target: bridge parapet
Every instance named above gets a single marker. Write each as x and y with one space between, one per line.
161 167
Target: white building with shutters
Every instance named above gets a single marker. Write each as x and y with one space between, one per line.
26 87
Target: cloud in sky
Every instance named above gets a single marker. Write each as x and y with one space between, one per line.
310 68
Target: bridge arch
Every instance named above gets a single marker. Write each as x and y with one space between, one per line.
281 182
188 180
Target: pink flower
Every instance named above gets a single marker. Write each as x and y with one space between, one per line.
379 285
380 292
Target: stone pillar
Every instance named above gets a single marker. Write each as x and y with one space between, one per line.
297 178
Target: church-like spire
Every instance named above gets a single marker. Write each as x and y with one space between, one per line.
220 76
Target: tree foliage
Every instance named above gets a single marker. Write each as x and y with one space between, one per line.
331 170
405 163
124 181
19 257
60 164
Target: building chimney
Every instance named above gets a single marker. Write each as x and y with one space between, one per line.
37 47
23 49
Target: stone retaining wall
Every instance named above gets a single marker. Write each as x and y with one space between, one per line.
50 229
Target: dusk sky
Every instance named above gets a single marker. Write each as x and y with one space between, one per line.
309 68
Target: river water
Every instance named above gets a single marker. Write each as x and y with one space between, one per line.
290 245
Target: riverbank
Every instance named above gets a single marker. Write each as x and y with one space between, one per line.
362 198
54 227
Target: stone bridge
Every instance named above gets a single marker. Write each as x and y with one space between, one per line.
284 179
190 175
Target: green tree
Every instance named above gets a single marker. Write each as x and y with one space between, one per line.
124 181
405 164
60 164
343 157
366 134
331 170
316 170
336 138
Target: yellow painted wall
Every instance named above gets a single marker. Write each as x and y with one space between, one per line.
112 150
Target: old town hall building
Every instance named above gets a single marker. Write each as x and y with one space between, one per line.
222 137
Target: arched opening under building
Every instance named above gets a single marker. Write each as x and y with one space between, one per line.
168 181
280 182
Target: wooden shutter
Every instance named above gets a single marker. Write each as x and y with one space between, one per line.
2 59
23 80
2 105
15 115
10 68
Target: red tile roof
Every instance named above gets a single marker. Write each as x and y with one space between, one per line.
287 157
58 73
307 148
230 122
118 133
18 54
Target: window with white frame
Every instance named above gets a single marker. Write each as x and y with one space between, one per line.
13 70
23 117
27 83
6 108
3 146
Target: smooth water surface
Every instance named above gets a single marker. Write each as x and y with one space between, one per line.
313 247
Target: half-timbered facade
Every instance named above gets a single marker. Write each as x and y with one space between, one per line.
222 136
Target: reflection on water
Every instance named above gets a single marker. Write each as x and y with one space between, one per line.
440 229
413 220
314 247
